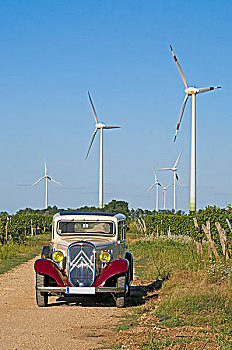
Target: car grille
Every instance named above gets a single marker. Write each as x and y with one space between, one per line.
81 260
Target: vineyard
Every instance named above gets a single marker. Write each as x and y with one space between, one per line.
20 226
211 225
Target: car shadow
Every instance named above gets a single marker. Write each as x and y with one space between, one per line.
139 294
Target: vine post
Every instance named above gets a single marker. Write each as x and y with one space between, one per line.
7 224
223 241
198 244
207 232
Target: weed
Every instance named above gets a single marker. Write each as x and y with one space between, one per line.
219 271
13 254
194 304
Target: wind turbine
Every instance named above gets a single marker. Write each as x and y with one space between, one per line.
99 126
164 194
157 190
189 90
174 169
46 177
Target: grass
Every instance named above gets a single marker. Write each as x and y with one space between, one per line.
13 254
194 305
160 257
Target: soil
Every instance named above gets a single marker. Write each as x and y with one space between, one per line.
84 323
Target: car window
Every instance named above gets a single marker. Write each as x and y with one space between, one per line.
85 227
124 229
120 230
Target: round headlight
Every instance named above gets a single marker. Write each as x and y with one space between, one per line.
105 257
57 256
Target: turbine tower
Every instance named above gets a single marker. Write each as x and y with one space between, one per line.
189 90
165 193
99 126
46 177
157 190
174 169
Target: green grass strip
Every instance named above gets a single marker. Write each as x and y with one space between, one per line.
13 254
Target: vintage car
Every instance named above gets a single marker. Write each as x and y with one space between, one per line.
87 256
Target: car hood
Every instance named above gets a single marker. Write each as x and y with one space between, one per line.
98 242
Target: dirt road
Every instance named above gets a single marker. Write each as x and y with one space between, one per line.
62 325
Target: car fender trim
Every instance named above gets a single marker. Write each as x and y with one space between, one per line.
115 267
129 257
49 268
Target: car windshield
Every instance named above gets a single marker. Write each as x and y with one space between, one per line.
85 227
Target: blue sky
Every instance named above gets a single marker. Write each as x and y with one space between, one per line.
53 52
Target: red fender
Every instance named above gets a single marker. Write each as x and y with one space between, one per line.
113 268
49 268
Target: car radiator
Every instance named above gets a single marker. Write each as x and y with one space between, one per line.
81 264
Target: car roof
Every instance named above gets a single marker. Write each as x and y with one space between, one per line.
119 216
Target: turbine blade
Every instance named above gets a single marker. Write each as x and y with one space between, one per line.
164 169
169 186
155 175
179 69
95 131
38 181
174 166
179 181
93 109
55 181
180 116
150 187
200 90
45 166
111 127
20 184
70 188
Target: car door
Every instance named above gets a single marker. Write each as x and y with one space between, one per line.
122 238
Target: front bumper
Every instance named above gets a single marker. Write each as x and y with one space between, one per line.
80 290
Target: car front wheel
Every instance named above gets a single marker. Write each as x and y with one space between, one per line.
41 297
121 297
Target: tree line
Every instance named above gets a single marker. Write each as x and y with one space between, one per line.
114 206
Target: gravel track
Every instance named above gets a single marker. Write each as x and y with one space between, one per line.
65 324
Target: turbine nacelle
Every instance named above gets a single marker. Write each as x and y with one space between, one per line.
191 90
100 126
166 187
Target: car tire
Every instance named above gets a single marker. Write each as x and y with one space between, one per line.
121 297
41 297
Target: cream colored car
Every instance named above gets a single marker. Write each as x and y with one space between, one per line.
88 255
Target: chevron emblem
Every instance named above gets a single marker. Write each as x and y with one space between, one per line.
81 261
